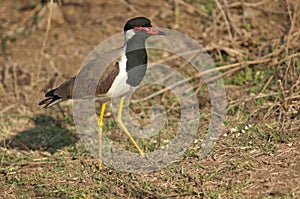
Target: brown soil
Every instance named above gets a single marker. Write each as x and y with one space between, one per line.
262 160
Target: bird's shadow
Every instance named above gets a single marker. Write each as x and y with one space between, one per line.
48 135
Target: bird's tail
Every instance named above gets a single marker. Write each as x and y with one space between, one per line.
51 99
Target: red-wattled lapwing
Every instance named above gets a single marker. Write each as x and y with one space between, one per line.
120 80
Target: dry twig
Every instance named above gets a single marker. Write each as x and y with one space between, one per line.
198 75
15 77
7 108
193 8
225 18
42 52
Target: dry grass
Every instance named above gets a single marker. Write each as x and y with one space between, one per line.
255 44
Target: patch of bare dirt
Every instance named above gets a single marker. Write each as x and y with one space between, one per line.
256 43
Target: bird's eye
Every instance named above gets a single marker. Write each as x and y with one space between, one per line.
136 29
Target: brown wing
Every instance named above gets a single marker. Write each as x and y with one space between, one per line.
87 82
65 90
107 79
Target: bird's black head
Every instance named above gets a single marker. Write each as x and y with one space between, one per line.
141 25
137 22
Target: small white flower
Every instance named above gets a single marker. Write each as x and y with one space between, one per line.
233 130
166 141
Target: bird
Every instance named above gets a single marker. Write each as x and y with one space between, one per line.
119 79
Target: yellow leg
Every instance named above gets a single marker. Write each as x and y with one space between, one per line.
122 126
100 125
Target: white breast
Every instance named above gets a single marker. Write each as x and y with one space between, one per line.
119 87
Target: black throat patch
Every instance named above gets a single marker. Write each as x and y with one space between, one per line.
136 65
